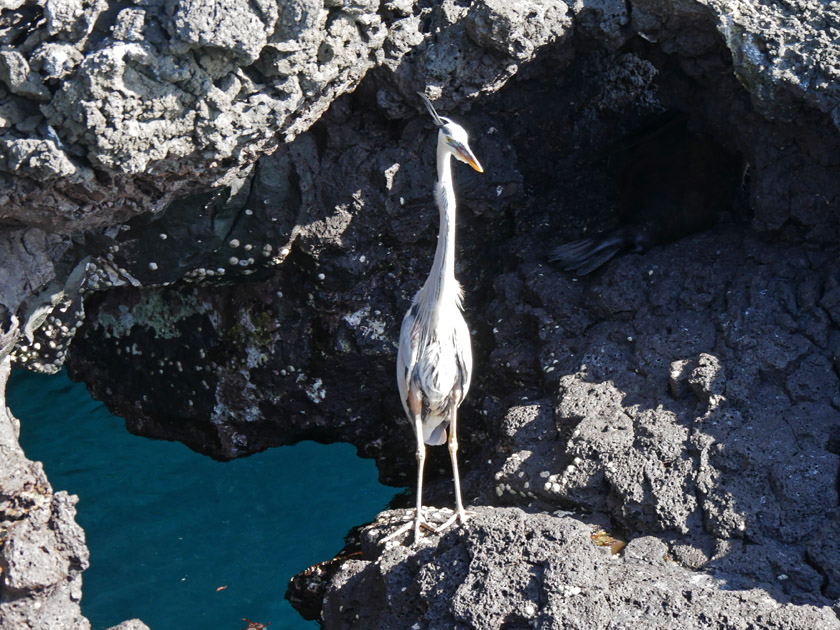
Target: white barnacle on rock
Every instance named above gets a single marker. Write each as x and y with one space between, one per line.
316 391
570 590
371 327
254 357
233 260
234 242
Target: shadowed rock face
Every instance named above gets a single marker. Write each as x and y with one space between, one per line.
233 276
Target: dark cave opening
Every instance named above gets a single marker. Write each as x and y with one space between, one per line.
624 150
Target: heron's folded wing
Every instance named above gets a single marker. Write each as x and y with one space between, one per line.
463 354
407 354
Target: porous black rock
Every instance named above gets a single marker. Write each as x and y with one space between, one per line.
512 568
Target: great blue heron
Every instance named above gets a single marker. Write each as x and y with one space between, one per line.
434 360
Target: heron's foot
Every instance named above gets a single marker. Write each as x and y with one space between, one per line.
461 516
416 524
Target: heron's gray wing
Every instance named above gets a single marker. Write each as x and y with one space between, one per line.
407 354
463 354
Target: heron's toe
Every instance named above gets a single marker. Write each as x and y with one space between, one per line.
460 516
415 522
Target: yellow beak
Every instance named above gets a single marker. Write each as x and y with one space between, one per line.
469 158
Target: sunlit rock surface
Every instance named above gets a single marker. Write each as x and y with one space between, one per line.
551 575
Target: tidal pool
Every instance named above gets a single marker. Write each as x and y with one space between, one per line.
177 539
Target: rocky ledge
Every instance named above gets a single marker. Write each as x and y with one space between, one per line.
510 568
215 214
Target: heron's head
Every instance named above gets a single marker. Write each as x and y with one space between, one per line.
453 137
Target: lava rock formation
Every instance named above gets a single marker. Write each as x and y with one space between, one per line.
216 213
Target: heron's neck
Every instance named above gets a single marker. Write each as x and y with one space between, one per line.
445 251
441 285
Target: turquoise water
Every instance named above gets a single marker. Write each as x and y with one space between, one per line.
177 539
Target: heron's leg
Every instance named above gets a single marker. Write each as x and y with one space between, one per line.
415 406
460 514
453 455
421 460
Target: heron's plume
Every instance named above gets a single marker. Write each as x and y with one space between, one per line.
431 109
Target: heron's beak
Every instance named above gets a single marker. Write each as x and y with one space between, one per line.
469 158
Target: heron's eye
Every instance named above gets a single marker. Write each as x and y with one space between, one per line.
448 138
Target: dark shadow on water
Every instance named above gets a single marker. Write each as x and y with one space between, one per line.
177 539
